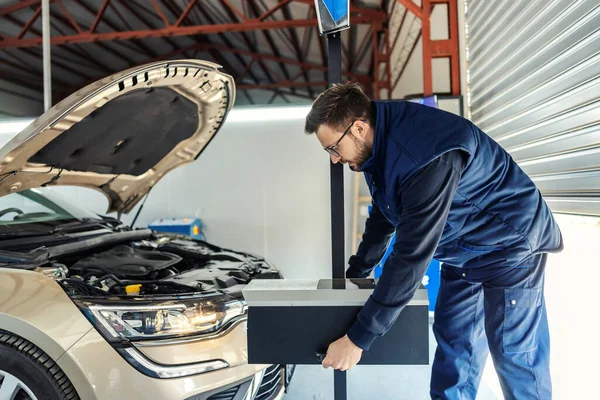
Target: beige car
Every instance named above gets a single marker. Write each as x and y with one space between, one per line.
92 309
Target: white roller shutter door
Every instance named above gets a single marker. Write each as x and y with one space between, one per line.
534 86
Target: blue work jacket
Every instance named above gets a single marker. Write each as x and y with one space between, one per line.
497 219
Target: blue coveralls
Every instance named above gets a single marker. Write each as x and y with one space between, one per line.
450 192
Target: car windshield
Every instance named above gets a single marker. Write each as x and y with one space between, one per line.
39 206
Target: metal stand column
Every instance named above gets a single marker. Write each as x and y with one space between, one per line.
338 264
46 54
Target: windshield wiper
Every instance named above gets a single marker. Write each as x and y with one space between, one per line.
70 226
24 232
79 224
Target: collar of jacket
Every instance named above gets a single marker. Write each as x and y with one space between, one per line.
381 116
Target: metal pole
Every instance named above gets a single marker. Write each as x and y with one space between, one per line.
338 270
336 170
46 54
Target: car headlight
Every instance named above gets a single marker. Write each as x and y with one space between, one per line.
170 319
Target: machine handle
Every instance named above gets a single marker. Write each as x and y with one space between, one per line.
320 356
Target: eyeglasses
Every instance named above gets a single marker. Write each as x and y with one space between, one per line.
332 149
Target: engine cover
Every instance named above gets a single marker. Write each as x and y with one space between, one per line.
125 261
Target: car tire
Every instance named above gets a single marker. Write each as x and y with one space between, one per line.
34 369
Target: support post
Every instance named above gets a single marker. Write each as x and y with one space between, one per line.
376 80
426 35
338 262
336 170
447 48
46 54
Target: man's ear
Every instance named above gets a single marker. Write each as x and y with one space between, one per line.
360 128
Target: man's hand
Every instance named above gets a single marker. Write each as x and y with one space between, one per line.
342 354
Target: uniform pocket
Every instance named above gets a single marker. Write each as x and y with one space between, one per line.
522 314
477 248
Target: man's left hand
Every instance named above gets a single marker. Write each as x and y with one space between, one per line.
342 354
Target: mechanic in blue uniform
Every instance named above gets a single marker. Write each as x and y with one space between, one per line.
451 193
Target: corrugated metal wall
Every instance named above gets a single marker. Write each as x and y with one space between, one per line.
534 86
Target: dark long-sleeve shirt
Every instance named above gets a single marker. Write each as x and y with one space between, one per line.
426 199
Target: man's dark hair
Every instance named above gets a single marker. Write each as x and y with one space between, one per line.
338 106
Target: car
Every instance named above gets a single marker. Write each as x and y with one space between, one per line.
91 308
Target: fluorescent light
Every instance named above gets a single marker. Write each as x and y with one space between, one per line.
267 114
14 126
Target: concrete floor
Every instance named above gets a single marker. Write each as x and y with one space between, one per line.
312 382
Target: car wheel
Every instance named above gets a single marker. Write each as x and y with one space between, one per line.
27 373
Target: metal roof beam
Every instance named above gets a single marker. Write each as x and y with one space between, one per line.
127 5
291 61
266 70
68 15
412 7
400 27
273 9
307 35
143 48
274 49
185 12
217 56
19 6
83 53
37 32
99 16
298 50
362 48
13 42
284 35
282 84
228 43
412 49
33 18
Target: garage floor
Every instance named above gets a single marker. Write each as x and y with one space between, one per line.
395 382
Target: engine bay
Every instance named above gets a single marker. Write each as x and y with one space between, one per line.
164 264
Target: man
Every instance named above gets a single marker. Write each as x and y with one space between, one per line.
448 192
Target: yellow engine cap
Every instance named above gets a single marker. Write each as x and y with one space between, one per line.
132 288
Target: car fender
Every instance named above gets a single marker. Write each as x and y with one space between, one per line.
34 307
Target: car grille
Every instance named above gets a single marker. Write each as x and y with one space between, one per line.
270 386
228 394
271 383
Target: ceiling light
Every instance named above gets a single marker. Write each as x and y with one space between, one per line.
267 114
14 126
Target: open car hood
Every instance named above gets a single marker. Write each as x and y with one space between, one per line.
123 133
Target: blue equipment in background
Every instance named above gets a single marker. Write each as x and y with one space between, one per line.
431 280
430 101
185 226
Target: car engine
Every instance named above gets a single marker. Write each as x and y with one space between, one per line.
164 264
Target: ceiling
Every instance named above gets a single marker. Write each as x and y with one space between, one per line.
272 48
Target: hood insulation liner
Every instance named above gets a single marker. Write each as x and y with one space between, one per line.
129 135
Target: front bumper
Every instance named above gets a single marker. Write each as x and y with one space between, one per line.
98 372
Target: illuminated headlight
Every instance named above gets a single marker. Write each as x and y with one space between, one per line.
170 319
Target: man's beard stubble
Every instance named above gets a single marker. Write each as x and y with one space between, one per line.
363 154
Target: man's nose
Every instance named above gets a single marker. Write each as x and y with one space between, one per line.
335 159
